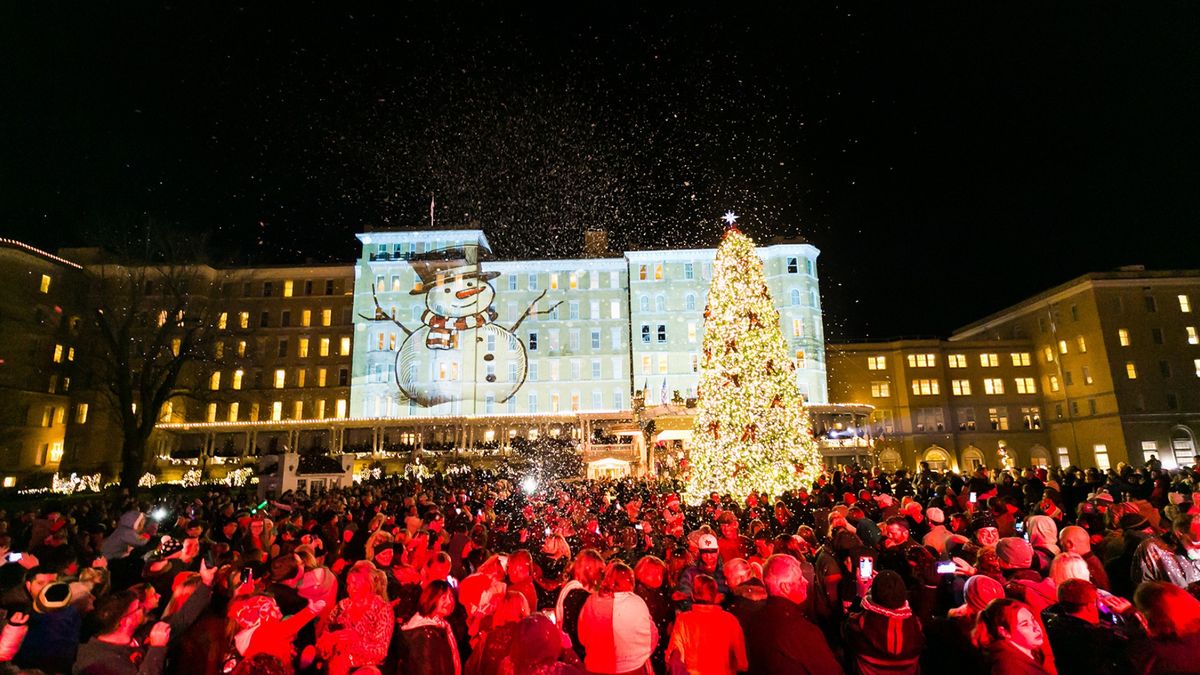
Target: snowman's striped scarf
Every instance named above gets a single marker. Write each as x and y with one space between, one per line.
443 330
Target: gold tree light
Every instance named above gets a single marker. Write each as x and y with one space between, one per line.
752 430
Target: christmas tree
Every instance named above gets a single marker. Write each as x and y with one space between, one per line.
752 431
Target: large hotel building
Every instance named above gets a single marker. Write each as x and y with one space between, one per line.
426 347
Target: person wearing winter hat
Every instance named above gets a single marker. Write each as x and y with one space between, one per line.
984 530
1043 537
707 562
884 635
1022 582
952 634
1119 552
54 630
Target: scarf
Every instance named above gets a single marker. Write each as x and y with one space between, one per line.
443 330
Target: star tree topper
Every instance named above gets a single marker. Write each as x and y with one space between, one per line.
730 218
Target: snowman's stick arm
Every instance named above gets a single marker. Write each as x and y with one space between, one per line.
381 315
526 314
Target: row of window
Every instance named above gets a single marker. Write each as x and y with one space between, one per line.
933 419
279 379
929 360
386 406
1156 335
992 386
242 319
282 347
287 288
1149 303
233 411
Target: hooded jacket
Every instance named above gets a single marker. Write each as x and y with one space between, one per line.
881 640
125 538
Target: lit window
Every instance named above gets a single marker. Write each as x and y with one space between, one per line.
176 344
321 377
1020 358
553 280
237 378
1026 385
643 273
1185 304
1101 452
658 271
1192 337
324 347
233 411
797 328
56 451
925 388
1123 337
345 346
1082 344
1062 346
960 387
45 285
211 415
287 288
277 411
58 354
341 408
243 319
81 412
878 362
327 317
1130 370
801 359
573 281
993 386
881 389
695 363
662 364
1196 363
646 365
241 348
298 410
1049 354
958 360
302 348
922 360
300 373
10 481
989 360
280 376
223 320
998 417
71 353
214 380
691 331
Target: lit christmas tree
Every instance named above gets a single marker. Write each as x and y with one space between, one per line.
752 431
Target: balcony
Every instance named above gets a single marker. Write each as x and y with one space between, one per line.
625 452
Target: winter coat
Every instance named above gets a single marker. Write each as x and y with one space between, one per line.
430 648
883 641
780 640
101 658
52 640
1163 656
1083 648
125 538
1005 659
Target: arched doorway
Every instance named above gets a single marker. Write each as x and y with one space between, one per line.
1039 456
972 458
889 460
1183 443
937 457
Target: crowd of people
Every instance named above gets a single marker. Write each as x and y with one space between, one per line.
1041 570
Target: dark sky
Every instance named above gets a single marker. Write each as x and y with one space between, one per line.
948 160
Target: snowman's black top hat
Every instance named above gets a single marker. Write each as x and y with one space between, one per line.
444 265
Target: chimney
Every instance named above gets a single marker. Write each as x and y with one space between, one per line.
595 244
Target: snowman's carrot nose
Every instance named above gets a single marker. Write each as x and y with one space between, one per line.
468 292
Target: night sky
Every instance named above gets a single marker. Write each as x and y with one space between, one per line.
946 160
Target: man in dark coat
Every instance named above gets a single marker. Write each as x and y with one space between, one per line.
779 640
1082 642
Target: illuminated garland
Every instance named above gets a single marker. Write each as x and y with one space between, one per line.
751 431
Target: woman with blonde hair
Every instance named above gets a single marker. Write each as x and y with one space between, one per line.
615 627
586 574
360 627
496 644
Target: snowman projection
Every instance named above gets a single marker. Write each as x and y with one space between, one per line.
459 352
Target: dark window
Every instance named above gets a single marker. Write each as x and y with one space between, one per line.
329 287
285 319
1067 377
662 332
258 379
1172 402
792 266
1091 406
343 377
283 348
267 289
1074 313
1058 410
308 286
532 342
246 289
1151 305
1164 367
645 334
1157 335
264 319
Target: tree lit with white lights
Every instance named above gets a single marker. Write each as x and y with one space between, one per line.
751 431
